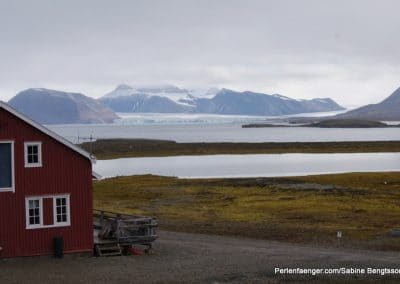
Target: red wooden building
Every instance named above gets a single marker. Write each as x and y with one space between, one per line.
45 189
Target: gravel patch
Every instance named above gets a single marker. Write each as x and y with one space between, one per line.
197 258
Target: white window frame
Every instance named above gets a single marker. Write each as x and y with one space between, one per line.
68 222
39 163
12 188
55 223
34 226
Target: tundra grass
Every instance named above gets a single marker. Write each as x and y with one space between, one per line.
365 207
124 148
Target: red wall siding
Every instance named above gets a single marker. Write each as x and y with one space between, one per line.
64 171
48 211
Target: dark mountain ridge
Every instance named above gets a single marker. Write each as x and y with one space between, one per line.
55 107
387 110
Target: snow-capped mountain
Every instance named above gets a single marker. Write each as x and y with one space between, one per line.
158 98
173 93
171 99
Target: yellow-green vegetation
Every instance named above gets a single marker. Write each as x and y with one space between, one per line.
122 148
364 206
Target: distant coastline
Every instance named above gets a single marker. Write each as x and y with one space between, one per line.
105 149
329 123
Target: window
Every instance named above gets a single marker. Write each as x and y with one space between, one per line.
33 154
61 210
6 166
37 207
34 212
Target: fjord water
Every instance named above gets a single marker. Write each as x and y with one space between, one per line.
265 165
216 128
223 132
224 128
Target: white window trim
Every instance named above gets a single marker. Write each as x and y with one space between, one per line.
39 163
12 188
35 226
68 223
55 224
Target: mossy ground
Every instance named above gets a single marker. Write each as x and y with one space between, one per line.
364 206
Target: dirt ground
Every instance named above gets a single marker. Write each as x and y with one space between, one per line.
196 258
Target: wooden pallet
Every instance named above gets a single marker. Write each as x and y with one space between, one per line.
108 249
124 229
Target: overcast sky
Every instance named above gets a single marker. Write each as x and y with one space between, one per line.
347 50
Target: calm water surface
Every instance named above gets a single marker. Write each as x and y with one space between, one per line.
274 165
224 132
215 128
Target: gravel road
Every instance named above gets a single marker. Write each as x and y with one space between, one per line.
195 258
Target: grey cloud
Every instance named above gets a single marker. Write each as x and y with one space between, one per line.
347 50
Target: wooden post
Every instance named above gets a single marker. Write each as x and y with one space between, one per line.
118 230
91 146
101 218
